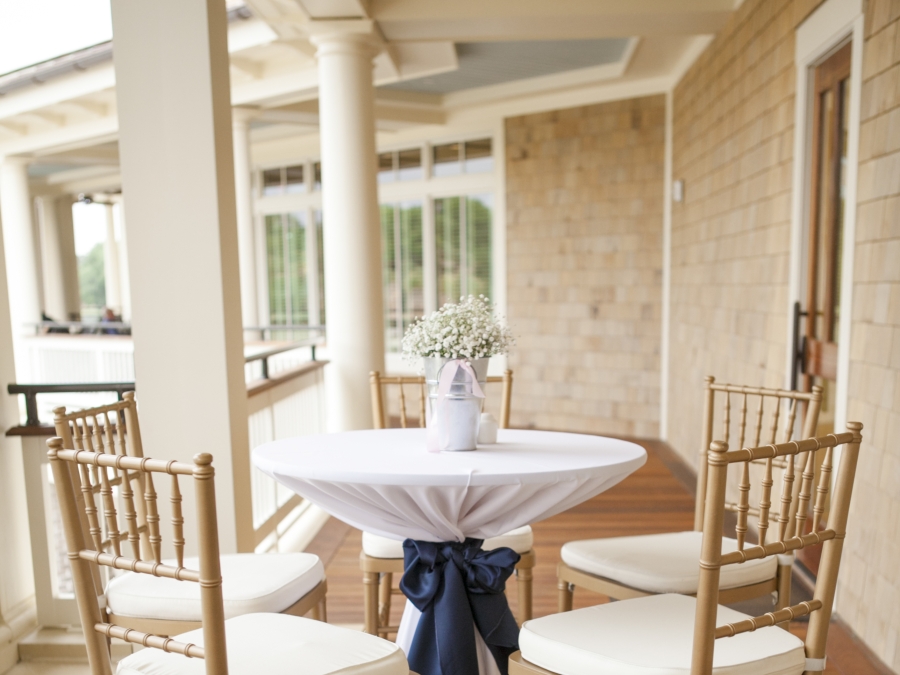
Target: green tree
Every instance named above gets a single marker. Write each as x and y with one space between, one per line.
91 278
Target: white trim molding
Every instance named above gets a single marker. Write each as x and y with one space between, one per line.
829 27
666 272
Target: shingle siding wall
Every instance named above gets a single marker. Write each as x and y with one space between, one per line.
869 598
733 146
733 124
584 223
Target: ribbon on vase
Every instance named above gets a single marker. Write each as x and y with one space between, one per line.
445 381
455 584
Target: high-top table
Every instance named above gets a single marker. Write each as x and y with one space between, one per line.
386 482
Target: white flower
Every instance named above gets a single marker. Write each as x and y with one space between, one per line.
467 329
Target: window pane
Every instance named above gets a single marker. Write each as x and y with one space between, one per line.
411 263
447 249
478 245
386 172
275 259
446 160
293 178
317 176
389 277
410 164
296 260
321 253
479 158
271 179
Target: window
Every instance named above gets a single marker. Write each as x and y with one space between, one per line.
400 165
320 266
293 179
285 179
436 236
402 269
447 159
452 159
463 246
286 245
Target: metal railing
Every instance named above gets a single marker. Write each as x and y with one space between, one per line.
31 391
266 332
82 327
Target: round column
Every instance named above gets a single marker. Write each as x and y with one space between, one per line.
353 302
243 190
20 250
111 264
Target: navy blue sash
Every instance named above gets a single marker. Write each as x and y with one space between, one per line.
453 584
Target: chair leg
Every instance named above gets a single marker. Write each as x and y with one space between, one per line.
370 588
315 612
384 599
566 593
323 611
524 578
783 578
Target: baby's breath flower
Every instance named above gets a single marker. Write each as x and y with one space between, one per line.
467 329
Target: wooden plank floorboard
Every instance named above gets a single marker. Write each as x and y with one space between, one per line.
656 498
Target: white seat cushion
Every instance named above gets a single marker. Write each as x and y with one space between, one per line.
251 582
660 563
279 644
652 636
519 540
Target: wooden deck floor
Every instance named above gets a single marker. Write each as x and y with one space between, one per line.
657 498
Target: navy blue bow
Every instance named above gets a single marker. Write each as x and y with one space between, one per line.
453 584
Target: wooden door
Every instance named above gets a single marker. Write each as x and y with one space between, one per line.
831 96
826 216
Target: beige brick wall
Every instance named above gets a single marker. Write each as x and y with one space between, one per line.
733 118
584 222
870 600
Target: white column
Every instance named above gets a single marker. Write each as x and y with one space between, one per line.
122 245
350 221
21 255
243 192
111 264
51 260
175 146
16 577
68 260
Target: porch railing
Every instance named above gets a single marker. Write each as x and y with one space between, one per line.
289 402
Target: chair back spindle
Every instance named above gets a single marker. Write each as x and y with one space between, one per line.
768 402
381 411
92 476
828 531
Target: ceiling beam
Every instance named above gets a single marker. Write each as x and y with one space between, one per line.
254 69
92 107
476 20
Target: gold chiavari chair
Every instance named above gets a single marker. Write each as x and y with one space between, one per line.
260 642
290 583
680 634
640 565
381 558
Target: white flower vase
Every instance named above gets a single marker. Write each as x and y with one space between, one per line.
456 418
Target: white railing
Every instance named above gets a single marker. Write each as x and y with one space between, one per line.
69 359
291 403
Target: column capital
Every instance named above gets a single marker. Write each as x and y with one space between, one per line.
242 116
14 160
360 36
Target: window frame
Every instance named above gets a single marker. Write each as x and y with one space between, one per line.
426 189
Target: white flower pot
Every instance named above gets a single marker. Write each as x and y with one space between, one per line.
457 417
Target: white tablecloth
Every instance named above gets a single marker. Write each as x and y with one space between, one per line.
386 482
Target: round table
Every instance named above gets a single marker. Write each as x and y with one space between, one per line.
386 482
